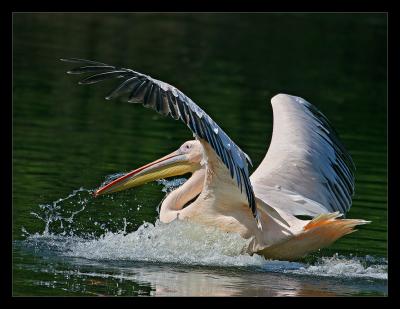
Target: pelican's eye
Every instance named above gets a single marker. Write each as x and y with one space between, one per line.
186 147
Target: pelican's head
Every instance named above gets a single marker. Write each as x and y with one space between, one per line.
187 159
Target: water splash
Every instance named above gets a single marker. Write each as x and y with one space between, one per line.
112 177
171 184
186 243
345 267
176 242
75 214
57 212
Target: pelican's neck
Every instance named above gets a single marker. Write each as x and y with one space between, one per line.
180 196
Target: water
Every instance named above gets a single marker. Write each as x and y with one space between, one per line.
67 140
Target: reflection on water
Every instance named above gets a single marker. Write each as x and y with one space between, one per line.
67 137
96 277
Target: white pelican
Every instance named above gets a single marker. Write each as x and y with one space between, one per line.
306 171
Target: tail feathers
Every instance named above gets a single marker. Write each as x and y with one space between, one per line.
318 233
330 227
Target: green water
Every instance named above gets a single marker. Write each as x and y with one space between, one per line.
66 136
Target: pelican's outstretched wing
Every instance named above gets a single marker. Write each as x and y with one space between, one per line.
167 100
306 170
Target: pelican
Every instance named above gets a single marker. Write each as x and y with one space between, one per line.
306 172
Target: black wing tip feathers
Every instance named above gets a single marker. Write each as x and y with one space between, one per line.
344 163
141 91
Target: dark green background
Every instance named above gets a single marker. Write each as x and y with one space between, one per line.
66 136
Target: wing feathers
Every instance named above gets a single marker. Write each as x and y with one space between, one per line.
305 157
167 100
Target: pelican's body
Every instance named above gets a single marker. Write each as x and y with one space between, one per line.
306 171
219 204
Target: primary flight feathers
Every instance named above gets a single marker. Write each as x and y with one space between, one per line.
168 100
